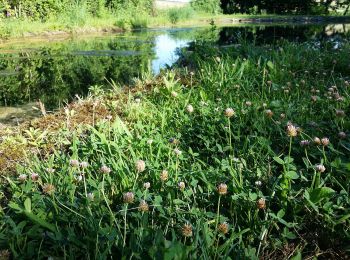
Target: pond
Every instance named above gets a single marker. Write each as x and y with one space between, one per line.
54 71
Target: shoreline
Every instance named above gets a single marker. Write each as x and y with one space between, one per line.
202 21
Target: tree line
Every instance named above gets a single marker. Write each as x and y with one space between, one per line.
274 6
285 6
44 9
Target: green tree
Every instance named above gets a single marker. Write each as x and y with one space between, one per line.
285 6
209 6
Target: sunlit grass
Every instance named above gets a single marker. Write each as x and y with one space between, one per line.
244 156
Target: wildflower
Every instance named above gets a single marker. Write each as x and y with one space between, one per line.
5 254
292 130
320 168
339 113
177 152
218 59
269 113
50 170
34 176
174 141
105 169
143 206
181 185
286 91
22 177
147 185
261 203
304 143
342 135
325 141
90 196
79 178
258 183
164 175
84 165
302 82
137 100
347 83
174 94
190 109
128 197
264 105
317 141
269 82
223 228
140 166
229 112
74 163
248 103
109 117
314 98
283 116
150 141
235 159
49 189
187 230
222 189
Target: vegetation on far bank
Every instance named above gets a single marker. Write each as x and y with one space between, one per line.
243 154
28 18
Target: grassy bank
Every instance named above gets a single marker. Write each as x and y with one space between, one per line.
81 22
246 156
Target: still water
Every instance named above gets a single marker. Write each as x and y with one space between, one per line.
55 70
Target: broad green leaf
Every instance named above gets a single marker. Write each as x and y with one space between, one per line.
28 205
15 206
288 159
178 201
297 256
40 221
253 196
281 213
319 194
278 160
292 175
270 64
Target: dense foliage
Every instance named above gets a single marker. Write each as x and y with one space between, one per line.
45 9
244 158
284 6
209 6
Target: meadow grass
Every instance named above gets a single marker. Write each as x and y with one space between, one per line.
243 155
79 20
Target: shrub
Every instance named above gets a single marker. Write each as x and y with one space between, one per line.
177 14
208 6
139 22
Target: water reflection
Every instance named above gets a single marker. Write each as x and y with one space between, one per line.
54 72
165 49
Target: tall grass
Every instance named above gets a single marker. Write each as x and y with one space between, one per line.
223 162
79 17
